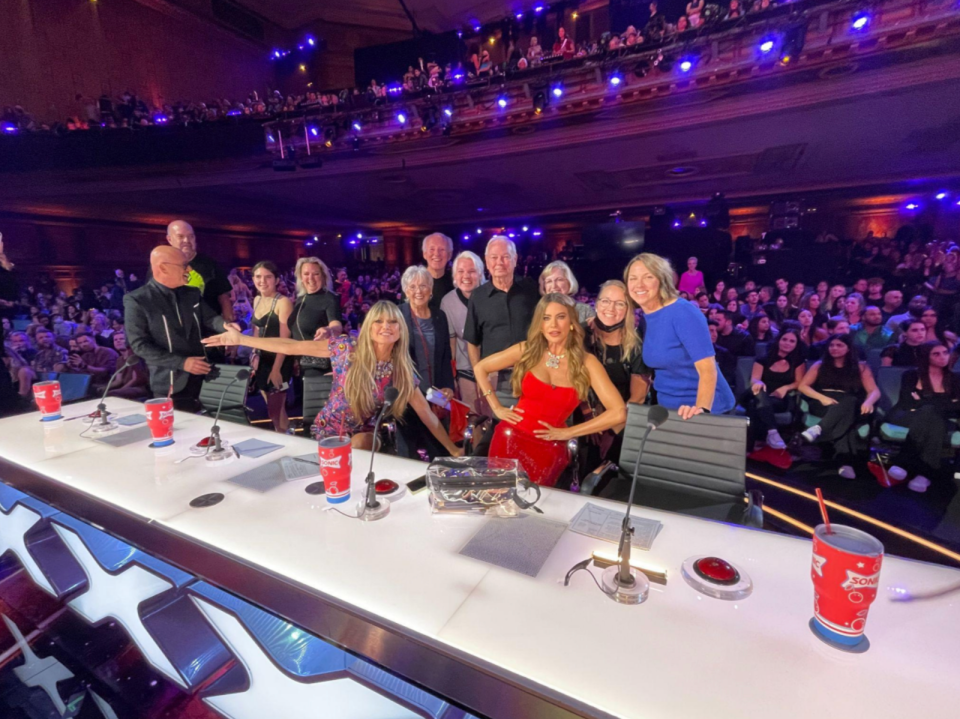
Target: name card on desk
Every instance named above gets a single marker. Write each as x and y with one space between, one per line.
595 521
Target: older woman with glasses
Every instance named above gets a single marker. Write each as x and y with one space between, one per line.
429 332
558 277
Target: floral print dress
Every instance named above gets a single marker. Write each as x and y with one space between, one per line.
336 416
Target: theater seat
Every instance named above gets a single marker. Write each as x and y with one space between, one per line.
695 467
888 381
73 387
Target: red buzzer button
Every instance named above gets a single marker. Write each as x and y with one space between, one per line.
386 486
716 571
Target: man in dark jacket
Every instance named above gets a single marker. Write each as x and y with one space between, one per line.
165 321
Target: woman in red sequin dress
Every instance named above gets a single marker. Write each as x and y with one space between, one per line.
552 375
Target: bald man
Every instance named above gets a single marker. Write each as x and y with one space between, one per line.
165 321
204 272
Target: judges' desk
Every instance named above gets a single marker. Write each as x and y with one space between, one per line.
268 605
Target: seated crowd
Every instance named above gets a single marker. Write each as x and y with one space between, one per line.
518 51
527 349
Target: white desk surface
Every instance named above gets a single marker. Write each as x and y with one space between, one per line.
677 656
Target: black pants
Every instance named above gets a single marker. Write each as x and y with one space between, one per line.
413 435
927 427
762 409
839 424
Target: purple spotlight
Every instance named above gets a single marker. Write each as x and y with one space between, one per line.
9 129
479 231
314 131
557 90
941 195
538 9
860 21
703 223
359 235
477 28
402 118
466 238
537 233
357 126
526 229
310 41
676 223
686 65
767 46
276 54
913 206
162 119
502 101
615 79
519 16
512 235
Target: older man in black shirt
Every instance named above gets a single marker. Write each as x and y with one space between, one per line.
204 272
500 312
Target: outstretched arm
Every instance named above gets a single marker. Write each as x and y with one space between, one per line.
278 345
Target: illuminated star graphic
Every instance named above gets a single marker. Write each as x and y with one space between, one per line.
102 705
37 672
118 596
860 565
13 528
274 693
818 563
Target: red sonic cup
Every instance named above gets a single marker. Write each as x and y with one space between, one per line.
846 576
336 465
49 400
160 421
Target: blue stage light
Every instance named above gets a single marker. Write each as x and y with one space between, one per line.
402 118
557 90
616 79
357 126
686 65
502 101
941 195
860 20
767 46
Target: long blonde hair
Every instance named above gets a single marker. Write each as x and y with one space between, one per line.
359 383
660 268
630 342
536 346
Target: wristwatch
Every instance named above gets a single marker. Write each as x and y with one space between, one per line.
704 410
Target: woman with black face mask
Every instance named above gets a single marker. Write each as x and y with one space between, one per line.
615 341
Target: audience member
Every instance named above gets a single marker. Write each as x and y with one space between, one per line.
94 360
428 331
772 379
906 354
692 280
870 333
732 338
270 317
468 274
50 356
558 277
316 313
726 360
204 272
841 389
677 343
929 398
133 382
437 250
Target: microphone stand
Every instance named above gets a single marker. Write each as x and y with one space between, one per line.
101 422
219 452
621 582
373 508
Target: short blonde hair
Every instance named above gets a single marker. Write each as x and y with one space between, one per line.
477 262
567 272
326 281
660 268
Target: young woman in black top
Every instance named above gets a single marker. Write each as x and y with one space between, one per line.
316 313
773 377
840 389
929 397
271 310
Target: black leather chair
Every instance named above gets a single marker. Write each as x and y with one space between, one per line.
234 401
694 467
316 392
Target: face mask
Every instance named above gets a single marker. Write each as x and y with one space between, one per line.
608 328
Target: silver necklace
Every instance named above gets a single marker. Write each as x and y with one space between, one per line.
553 361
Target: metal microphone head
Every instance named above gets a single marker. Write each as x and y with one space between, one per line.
243 374
390 395
657 415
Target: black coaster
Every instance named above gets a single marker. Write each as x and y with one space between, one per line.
850 649
315 488
207 500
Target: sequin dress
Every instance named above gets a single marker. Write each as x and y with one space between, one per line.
336 416
542 459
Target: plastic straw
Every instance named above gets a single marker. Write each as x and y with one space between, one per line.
823 511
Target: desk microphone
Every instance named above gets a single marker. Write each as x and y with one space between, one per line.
624 584
218 452
101 423
374 508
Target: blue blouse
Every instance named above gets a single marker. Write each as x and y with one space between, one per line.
676 338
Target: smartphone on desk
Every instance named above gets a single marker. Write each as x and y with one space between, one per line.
417 485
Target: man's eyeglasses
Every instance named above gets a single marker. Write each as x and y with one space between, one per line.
607 304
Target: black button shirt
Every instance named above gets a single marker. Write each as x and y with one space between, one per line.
440 289
496 319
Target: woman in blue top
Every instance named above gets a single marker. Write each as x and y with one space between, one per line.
677 344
